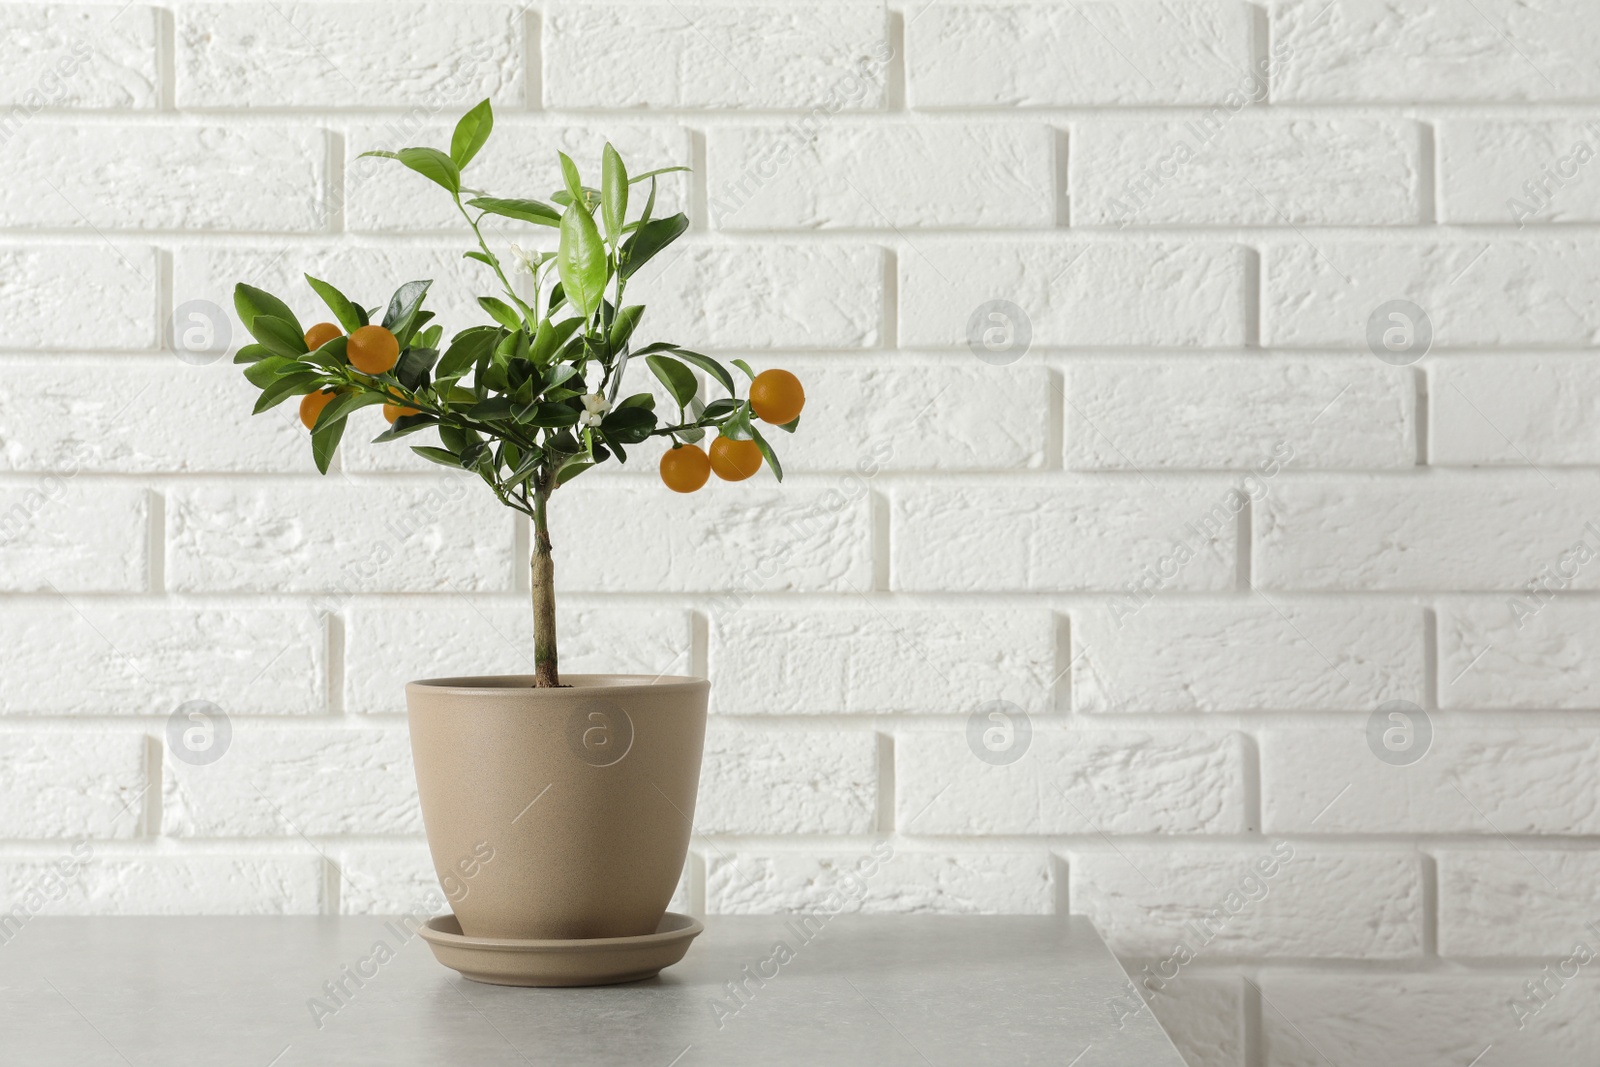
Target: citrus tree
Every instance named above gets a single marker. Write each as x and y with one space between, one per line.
529 400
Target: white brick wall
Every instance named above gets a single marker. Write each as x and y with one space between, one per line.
1193 530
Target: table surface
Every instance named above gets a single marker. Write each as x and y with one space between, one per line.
879 990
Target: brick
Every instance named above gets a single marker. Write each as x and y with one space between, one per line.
1473 779
1493 291
287 783
894 880
41 289
77 55
1528 902
1521 650
1334 904
881 177
818 54
1071 782
1450 533
1525 172
163 885
1443 50
434 535
1252 414
860 661
153 416
387 644
1073 535
384 196
726 538
1258 655
865 420
64 784
1077 292
775 781
143 660
166 177
1513 411
1226 168
765 296
1042 55
62 536
1423 1018
437 57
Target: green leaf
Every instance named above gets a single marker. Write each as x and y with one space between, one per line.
433 165
340 407
613 192
285 387
278 336
325 442
332 354
679 380
709 365
534 211
569 174
649 239
652 173
480 257
249 302
766 450
496 407
501 312
405 424
471 133
403 307
791 426
251 354
737 426
438 455
638 400
629 425
347 313
623 327
550 337
464 351
742 365
718 408
549 416
571 471
415 363
581 261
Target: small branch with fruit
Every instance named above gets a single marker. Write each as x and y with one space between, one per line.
528 402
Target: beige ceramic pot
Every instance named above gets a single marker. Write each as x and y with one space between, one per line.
558 813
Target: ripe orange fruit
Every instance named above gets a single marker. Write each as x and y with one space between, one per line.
734 461
777 397
394 411
321 334
311 406
373 350
685 468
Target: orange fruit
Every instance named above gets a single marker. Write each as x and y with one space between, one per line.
311 406
685 468
373 350
734 461
394 411
321 334
777 397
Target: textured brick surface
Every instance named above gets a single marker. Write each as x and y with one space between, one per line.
1040 54
1102 448
430 57
1223 168
825 54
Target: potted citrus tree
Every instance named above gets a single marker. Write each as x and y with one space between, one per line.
581 788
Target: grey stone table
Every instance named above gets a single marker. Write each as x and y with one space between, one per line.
878 990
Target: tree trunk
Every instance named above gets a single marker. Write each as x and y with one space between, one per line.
545 674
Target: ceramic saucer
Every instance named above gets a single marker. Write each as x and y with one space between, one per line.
580 961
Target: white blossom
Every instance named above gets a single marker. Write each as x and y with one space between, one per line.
595 407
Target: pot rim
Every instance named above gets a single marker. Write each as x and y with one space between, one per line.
573 686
